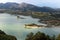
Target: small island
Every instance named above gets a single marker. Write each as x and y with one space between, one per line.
20 17
34 26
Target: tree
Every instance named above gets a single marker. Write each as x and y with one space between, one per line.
37 36
58 37
29 36
4 36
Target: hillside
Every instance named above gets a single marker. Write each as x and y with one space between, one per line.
25 7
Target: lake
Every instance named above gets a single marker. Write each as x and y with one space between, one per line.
12 25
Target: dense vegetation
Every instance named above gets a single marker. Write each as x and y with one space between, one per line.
41 36
4 36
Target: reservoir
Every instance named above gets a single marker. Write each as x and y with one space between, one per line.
12 25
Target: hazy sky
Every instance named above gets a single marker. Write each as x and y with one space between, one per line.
49 3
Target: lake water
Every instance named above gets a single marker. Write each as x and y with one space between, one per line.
12 25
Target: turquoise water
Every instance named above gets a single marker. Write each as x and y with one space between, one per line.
12 25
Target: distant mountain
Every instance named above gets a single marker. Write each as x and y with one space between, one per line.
58 9
25 7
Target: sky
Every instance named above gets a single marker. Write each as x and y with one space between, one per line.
49 3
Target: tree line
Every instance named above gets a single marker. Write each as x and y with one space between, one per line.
41 36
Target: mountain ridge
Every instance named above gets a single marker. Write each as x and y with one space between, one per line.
25 7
